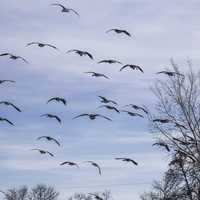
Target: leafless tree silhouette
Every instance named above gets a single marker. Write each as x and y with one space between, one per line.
106 195
39 192
43 192
16 194
179 105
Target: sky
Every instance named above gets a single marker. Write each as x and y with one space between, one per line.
160 30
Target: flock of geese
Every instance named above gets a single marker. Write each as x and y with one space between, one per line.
109 104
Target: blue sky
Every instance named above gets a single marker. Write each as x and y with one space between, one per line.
161 30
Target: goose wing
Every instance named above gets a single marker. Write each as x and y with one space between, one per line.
103 75
11 81
125 66
57 118
63 101
75 12
72 50
114 102
6 54
163 145
23 59
102 61
52 99
82 115
50 153
133 161
89 55
8 121
139 68
95 165
52 46
58 4
90 72
15 107
127 33
56 141
110 30
102 116
103 98
39 138
31 43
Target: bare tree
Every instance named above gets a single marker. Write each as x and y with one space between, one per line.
80 196
16 194
166 189
176 124
39 192
43 192
106 195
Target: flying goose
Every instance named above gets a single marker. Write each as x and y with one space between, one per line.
81 53
163 121
92 116
97 75
133 67
49 139
42 45
51 116
14 57
109 61
58 99
170 73
3 81
119 31
162 144
95 165
43 151
10 104
6 120
105 100
65 10
69 163
127 160
137 107
133 114
110 108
